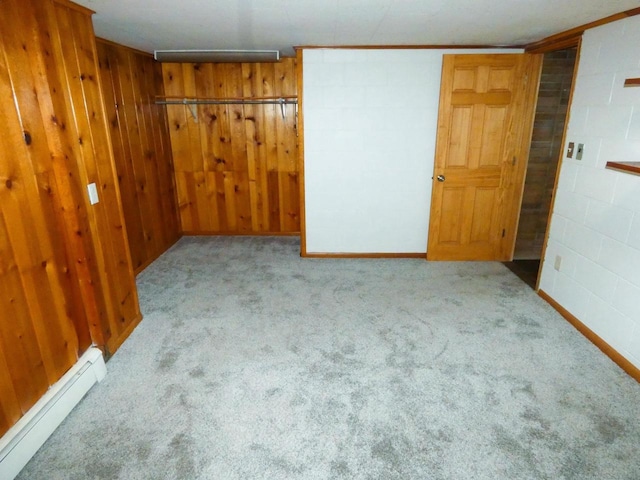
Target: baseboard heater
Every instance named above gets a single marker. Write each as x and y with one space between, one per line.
23 440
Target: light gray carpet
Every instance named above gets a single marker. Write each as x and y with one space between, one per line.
252 363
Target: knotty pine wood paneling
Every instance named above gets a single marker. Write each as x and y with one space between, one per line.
94 154
66 279
236 167
142 149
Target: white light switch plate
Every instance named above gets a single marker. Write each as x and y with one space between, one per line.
93 193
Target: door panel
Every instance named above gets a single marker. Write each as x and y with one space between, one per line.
484 128
450 226
460 136
491 143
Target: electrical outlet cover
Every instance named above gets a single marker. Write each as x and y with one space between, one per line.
93 193
557 263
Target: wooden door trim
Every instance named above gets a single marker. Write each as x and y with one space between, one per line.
512 216
303 214
570 38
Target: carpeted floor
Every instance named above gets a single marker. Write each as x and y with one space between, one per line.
252 363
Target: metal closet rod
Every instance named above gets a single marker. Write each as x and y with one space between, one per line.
284 100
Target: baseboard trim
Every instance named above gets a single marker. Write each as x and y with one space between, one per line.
607 349
114 344
153 258
421 256
24 439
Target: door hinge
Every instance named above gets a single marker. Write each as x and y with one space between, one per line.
504 232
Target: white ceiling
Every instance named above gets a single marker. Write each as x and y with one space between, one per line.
282 24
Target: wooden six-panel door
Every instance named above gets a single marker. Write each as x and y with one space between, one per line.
484 129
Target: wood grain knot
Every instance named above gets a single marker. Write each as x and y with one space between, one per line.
27 137
8 183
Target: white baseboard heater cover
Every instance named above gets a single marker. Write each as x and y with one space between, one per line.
23 440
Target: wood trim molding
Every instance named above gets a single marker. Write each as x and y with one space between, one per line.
115 343
421 256
150 260
563 44
569 38
607 349
119 45
303 215
403 47
632 82
75 6
529 102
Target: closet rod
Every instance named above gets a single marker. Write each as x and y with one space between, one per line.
192 102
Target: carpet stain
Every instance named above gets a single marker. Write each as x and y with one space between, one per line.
168 360
275 461
526 321
348 349
143 451
518 458
340 470
444 436
526 390
181 447
103 470
298 401
272 392
197 372
577 466
386 452
609 428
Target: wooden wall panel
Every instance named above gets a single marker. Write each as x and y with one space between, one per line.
77 53
142 152
236 166
38 337
66 279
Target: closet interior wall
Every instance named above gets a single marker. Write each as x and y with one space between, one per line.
236 165
546 144
142 149
66 278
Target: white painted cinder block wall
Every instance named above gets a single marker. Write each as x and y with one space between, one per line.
370 121
595 226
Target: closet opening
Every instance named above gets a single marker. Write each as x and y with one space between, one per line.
544 155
